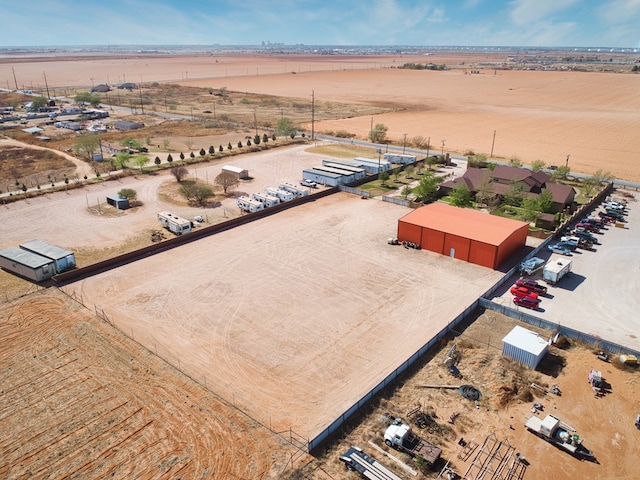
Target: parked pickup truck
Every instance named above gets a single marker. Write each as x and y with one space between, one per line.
401 437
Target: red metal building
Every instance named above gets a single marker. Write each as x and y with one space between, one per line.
465 234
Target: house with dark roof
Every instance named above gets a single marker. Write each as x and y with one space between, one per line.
502 177
124 125
101 88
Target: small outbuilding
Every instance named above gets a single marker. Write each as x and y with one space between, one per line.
119 202
64 259
27 264
237 171
524 346
125 125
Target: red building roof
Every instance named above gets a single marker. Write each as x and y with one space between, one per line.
466 223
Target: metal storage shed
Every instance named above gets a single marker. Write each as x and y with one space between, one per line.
64 259
118 202
27 264
400 158
524 346
465 234
237 171
323 178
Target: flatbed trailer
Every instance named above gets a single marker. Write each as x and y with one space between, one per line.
355 459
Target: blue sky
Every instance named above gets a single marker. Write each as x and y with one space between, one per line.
579 23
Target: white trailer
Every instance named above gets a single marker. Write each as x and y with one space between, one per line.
249 205
296 190
554 270
283 195
265 199
174 223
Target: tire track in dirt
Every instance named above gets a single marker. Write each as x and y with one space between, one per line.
81 400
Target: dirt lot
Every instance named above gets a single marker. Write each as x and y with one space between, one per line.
606 424
267 304
81 400
279 316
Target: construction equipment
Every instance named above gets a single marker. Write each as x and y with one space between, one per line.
400 436
558 433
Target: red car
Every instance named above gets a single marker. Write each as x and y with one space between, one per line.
531 285
527 302
588 227
523 292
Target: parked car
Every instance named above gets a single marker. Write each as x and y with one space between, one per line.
527 302
531 265
615 214
588 227
593 221
522 292
585 235
614 205
559 248
605 217
308 183
531 285
570 240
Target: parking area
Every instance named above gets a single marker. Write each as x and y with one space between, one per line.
600 295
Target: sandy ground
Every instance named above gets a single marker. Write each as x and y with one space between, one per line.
590 117
295 317
81 400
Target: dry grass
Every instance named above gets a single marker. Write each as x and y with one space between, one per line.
31 167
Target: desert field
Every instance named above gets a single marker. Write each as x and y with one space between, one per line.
292 318
590 118
284 323
81 400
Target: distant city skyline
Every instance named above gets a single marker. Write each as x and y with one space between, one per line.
533 23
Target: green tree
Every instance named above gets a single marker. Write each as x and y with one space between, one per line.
545 201
408 171
181 156
285 127
227 181
188 191
38 102
86 145
601 176
561 173
169 159
485 190
240 144
515 194
461 196
256 139
379 133
419 141
157 161
128 193
92 99
229 146
431 161
192 155
384 178
202 152
122 160
477 160
406 191
530 209
248 142
273 137
131 143
220 149
427 189
201 194
265 138
141 161
212 150
515 162
537 165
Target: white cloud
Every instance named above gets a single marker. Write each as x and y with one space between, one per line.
528 11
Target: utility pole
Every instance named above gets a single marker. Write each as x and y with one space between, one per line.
493 143
428 145
313 114
14 78
141 103
46 84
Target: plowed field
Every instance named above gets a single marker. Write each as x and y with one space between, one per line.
83 401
